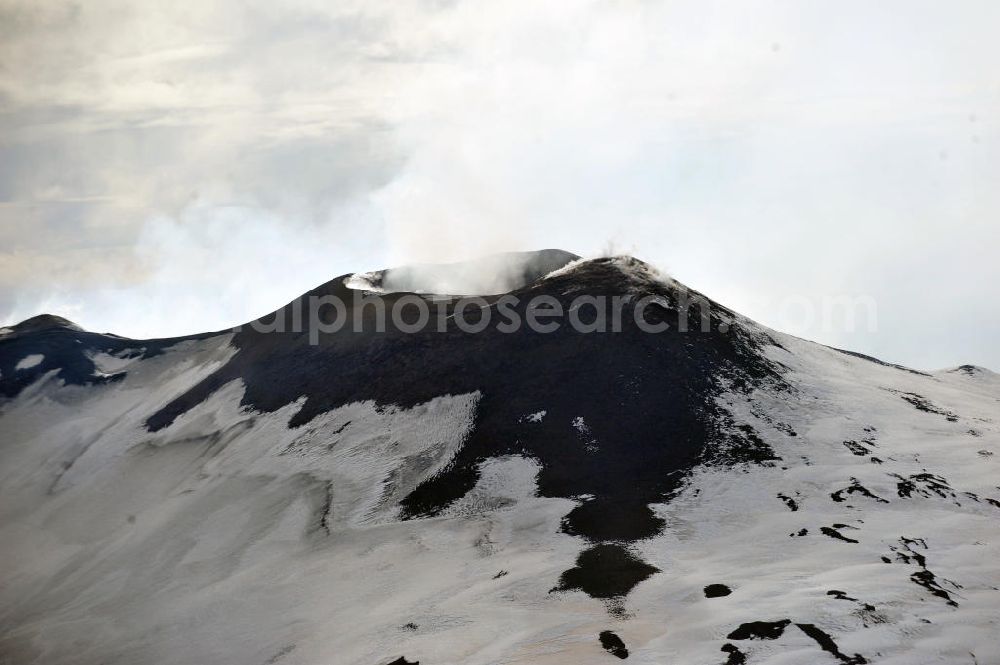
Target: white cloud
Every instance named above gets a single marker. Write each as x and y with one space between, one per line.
761 151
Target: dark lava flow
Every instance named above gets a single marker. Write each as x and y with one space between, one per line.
613 644
760 630
772 630
606 571
647 399
717 591
736 657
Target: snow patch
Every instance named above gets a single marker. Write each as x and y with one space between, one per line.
536 417
28 362
566 269
503 481
107 364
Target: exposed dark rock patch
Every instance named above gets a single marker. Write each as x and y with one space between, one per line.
613 644
857 448
855 488
613 520
834 533
717 591
865 446
606 571
786 428
909 552
866 611
931 485
327 508
782 427
928 580
736 657
870 616
923 484
500 574
402 661
973 496
827 644
738 443
799 533
760 630
923 404
772 630
789 501
840 595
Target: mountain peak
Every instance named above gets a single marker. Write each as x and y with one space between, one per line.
975 371
44 322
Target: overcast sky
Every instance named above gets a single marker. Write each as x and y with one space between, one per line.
175 167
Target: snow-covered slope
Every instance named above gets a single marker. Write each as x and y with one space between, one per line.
729 496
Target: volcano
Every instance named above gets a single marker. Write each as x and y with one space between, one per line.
397 467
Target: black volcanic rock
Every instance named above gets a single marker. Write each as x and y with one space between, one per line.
44 322
613 644
606 571
717 591
760 630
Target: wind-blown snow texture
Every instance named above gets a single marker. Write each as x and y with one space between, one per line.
728 496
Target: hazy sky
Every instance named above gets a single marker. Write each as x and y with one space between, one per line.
174 167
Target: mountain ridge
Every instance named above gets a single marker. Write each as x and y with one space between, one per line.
481 497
